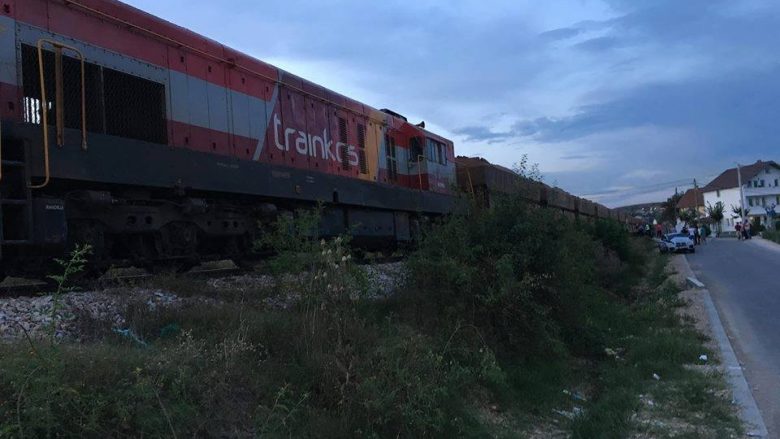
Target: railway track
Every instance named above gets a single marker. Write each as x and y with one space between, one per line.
17 287
11 287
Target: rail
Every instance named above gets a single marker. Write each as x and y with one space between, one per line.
60 102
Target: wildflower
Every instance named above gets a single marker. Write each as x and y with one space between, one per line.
343 259
322 243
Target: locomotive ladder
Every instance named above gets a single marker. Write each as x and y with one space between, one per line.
15 194
16 207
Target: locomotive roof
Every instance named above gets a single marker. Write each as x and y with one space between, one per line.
188 39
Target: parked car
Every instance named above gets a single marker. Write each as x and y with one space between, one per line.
675 243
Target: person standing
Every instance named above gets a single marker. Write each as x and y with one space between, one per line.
702 234
738 228
696 235
746 230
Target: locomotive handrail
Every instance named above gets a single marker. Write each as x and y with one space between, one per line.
1 149
60 111
420 159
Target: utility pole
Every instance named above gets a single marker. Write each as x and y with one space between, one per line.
696 198
741 195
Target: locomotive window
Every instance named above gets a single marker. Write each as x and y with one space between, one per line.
437 152
392 162
117 103
416 149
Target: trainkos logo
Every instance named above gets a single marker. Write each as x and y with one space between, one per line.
312 145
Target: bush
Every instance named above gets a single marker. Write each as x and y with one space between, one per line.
772 235
518 274
499 303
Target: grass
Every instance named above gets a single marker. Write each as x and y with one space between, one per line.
492 335
772 235
657 342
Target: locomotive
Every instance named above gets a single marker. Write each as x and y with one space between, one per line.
148 141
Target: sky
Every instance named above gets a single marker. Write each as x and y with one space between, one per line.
621 101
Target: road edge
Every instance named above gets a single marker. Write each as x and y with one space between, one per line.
743 396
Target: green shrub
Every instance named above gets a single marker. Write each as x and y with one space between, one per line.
772 235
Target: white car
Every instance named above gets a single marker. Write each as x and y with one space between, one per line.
675 243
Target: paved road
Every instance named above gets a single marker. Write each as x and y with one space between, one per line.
744 280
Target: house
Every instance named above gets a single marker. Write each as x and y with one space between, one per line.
693 199
761 187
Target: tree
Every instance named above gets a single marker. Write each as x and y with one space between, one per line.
688 216
738 212
716 215
669 212
528 170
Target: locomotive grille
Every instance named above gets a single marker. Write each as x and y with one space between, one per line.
361 132
344 143
118 104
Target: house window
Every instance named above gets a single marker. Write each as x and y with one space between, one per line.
718 193
763 183
776 182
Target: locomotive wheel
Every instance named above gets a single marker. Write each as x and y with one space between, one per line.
92 233
179 239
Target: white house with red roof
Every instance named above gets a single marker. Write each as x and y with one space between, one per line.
761 191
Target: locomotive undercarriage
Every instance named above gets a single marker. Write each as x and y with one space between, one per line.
121 199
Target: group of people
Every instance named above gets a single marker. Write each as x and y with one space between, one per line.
698 234
743 231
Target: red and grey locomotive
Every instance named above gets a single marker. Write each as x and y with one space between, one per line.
148 141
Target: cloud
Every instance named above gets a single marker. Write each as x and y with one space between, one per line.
599 44
481 133
560 34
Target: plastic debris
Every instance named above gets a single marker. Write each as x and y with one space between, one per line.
129 334
656 377
703 357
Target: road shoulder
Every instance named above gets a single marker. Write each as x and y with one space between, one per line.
702 309
766 244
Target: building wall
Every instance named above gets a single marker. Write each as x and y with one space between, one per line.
729 198
762 192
